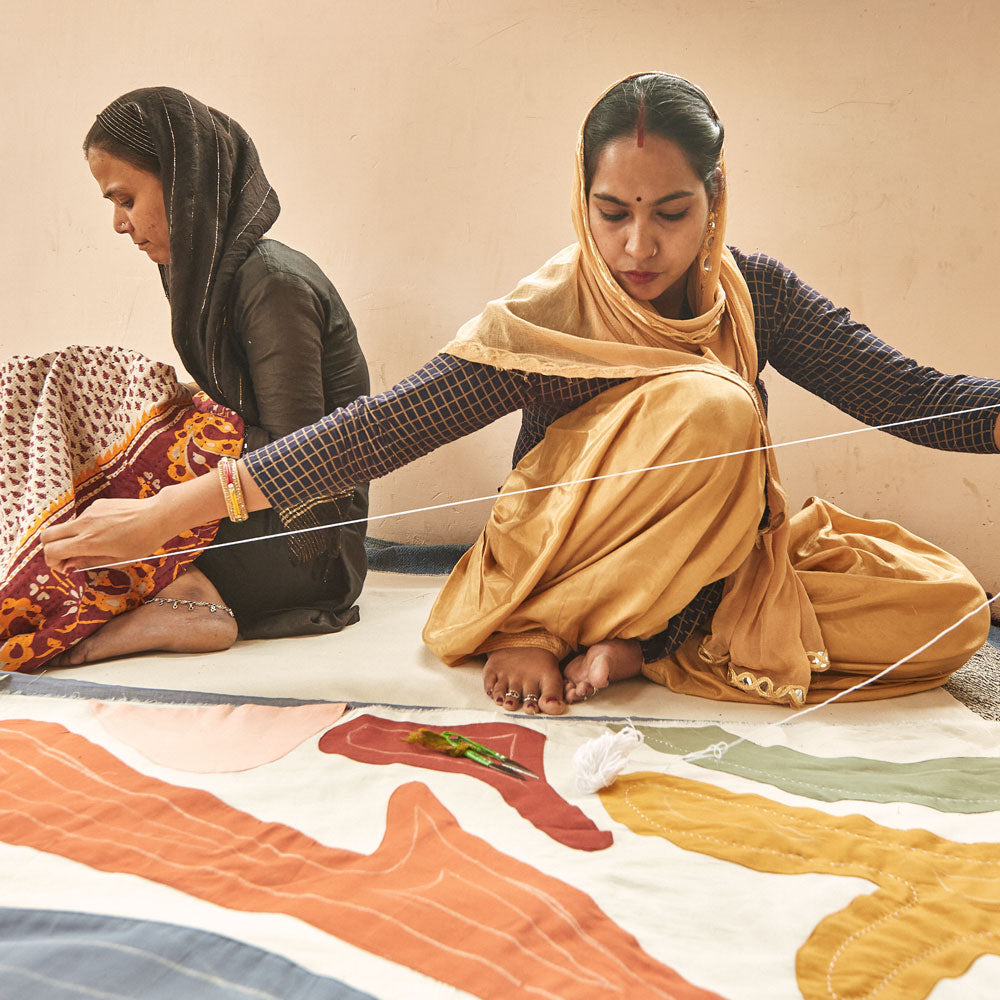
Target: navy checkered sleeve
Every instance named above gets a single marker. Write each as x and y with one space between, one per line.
809 340
445 400
799 332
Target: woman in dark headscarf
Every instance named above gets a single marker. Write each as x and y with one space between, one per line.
264 333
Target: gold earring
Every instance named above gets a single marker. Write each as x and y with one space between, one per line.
706 264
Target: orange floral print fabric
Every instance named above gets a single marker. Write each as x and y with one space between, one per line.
75 426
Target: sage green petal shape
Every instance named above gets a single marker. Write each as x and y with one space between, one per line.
947 784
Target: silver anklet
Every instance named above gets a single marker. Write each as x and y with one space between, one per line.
191 605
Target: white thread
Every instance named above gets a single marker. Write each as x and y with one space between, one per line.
717 750
537 489
599 761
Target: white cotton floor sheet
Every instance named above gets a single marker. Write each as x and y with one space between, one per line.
382 660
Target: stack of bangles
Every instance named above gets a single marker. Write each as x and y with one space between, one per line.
231 490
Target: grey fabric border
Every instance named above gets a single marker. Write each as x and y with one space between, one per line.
975 685
53 687
57 687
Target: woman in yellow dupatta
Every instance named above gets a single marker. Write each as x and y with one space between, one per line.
812 604
564 583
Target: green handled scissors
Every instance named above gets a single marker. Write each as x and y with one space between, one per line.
487 756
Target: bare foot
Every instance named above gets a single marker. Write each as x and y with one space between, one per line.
149 627
602 664
524 677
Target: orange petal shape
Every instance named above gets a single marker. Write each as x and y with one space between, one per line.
214 738
372 740
431 897
936 911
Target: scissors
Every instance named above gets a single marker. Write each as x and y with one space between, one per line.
458 745
487 756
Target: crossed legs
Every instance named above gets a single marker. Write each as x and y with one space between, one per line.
602 560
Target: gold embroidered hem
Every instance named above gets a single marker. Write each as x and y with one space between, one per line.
290 513
536 639
713 659
819 660
765 688
304 518
747 681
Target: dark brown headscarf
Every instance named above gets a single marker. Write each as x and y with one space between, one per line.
219 204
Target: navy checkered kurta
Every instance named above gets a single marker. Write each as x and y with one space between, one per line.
799 333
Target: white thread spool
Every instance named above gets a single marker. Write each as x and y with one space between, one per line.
599 761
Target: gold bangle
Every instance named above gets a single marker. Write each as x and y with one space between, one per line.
224 477
229 477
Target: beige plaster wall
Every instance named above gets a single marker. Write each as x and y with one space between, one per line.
422 154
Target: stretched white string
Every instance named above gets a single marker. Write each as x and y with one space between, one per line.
550 486
716 750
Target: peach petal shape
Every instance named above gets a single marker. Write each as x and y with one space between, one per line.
208 739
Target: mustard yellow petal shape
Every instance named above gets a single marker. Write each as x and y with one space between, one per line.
937 908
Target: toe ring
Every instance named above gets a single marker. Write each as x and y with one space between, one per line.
530 699
512 694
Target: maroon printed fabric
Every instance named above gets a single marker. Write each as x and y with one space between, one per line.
75 426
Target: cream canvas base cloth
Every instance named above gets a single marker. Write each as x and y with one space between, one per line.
383 660
265 839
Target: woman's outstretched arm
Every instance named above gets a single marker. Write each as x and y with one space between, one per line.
118 530
825 350
445 400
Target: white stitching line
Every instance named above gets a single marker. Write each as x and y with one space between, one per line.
735 802
173 161
194 158
256 212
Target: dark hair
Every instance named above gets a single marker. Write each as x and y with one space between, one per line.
661 104
100 138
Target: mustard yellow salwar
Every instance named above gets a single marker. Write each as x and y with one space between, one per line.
570 566
879 593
